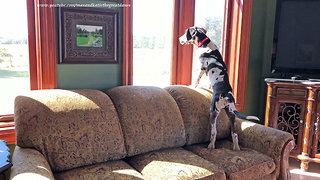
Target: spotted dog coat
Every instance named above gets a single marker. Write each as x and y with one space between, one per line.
212 64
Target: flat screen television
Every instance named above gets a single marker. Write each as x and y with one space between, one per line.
296 44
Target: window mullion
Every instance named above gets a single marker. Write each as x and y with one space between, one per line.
181 70
42 46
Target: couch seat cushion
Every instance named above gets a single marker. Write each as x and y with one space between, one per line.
108 170
244 164
175 164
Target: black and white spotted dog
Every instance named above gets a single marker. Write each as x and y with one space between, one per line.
222 97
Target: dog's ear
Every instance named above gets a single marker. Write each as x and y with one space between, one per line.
193 31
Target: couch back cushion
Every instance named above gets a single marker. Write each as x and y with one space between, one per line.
150 118
194 106
70 128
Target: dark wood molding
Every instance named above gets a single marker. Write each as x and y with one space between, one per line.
7 130
244 54
32 44
127 63
237 27
8 134
175 41
226 30
181 69
42 45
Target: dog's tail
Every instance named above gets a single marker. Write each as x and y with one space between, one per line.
254 118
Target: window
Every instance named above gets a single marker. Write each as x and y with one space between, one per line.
235 44
152 42
14 58
41 48
209 15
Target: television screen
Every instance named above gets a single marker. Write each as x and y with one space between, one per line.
297 36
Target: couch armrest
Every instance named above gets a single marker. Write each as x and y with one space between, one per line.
272 142
29 164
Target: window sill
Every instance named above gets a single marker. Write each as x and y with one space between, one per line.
7 130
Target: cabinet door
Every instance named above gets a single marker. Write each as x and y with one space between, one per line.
290 118
316 139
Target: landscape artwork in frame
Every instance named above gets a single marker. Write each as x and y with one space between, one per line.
88 35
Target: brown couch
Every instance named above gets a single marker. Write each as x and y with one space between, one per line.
134 132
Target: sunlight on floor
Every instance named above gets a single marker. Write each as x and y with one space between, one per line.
299 174
313 172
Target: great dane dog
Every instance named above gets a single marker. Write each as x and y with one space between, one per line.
212 64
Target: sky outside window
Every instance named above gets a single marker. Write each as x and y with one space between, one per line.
152 42
209 15
14 55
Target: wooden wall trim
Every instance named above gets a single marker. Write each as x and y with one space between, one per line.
181 69
7 130
8 134
42 45
175 42
226 30
127 66
244 53
32 43
236 45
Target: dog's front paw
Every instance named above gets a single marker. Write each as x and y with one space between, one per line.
236 147
211 146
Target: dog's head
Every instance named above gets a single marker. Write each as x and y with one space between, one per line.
195 35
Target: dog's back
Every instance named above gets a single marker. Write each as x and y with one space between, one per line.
216 69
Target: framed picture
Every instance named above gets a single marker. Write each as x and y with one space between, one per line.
88 35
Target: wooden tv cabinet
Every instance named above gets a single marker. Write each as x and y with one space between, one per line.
294 106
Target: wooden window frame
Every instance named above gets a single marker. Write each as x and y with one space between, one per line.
42 45
237 28
181 69
42 57
127 62
7 132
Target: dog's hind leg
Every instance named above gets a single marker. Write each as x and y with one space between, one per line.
234 135
217 104
213 117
